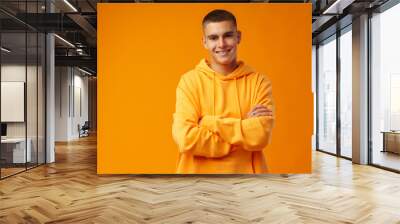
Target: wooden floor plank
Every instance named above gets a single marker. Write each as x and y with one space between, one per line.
70 191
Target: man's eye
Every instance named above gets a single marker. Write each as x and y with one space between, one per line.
213 38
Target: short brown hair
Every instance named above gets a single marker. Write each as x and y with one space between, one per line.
219 15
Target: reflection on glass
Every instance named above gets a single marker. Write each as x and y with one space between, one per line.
395 101
31 101
386 88
14 153
22 90
327 96
346 94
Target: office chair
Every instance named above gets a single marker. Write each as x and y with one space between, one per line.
84 130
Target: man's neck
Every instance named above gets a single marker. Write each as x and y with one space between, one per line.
224 69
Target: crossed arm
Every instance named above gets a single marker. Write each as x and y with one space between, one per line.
214 137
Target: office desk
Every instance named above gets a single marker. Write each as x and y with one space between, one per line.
13 150
391 141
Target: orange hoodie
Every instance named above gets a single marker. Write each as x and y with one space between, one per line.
210 125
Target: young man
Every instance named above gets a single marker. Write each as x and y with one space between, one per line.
223 118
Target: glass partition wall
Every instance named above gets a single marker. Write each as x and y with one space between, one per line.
334 94
22 88
13 109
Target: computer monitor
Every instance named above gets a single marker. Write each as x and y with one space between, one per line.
3 129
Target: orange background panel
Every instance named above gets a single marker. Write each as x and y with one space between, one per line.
143 49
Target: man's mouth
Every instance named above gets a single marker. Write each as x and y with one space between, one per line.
223 52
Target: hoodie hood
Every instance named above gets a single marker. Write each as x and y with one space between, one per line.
241 70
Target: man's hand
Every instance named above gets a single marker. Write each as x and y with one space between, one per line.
259 110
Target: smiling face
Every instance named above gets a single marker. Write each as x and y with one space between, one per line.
221 40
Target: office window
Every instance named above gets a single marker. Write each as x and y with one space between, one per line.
385 88
314 90
327 95
346 93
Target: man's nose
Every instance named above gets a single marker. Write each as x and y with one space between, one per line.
221 42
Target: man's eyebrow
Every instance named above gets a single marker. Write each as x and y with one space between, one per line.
216 35
229 33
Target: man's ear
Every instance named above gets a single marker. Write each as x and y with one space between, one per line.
239 36
203 40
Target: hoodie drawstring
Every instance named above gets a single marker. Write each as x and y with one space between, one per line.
214 94
237 98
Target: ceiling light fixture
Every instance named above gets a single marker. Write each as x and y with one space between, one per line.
64 40
84 71
337 7
79 51
5 50
70 5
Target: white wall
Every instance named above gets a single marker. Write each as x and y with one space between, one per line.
12 73
81 102
71 93
61 103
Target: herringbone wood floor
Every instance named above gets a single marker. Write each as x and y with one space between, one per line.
69 191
